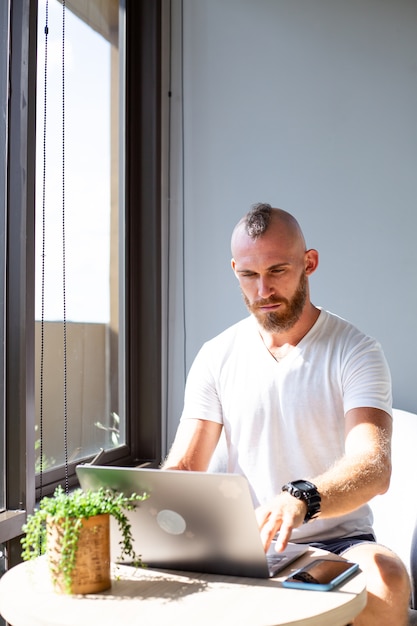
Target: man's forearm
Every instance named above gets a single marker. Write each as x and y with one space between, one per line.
352 482
194 445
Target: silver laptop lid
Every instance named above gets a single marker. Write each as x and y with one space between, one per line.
192 520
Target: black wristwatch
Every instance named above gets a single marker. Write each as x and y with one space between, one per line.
306 491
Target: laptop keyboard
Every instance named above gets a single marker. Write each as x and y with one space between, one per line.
275 562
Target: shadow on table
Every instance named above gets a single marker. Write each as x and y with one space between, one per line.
151 584
151 588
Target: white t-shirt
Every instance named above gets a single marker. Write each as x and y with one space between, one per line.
284 420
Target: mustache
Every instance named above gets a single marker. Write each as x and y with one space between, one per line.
267 301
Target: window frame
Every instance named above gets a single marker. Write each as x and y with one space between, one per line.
20 286
4 70
143 229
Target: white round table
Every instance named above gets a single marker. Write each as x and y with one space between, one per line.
156 597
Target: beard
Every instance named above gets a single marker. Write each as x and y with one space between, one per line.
287 315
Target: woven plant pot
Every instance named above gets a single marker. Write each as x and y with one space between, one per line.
91 573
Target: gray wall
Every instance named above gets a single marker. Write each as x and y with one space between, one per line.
309 105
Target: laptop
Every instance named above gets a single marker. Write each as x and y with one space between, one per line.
193 521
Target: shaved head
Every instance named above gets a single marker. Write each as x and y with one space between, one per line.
262 219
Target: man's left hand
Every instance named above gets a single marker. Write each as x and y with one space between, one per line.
281 515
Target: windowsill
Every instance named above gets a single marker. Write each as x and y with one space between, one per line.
11 523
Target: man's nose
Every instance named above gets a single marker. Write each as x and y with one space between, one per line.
265 287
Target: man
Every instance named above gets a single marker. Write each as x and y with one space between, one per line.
304 399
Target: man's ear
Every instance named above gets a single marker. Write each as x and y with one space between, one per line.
233 264
311 261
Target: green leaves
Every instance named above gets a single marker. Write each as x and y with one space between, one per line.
86 504
68 510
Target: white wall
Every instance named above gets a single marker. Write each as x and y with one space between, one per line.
309 105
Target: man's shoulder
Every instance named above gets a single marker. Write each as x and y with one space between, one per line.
337 322
345 333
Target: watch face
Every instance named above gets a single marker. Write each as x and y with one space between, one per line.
301 484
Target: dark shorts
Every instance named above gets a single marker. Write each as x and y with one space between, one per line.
341 544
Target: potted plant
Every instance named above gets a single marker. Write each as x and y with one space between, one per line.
66 523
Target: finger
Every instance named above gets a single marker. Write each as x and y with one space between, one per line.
284 536
261 515
268 532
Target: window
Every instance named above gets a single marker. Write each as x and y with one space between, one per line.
133 367
113 334
79 296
